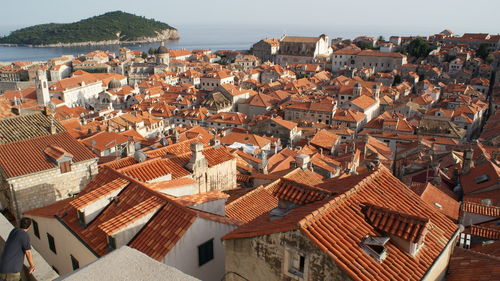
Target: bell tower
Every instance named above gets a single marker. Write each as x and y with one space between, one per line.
42 88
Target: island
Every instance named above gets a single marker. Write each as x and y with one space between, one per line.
110 28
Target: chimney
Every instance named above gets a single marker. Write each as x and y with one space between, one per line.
467 164
130 146
176 136
53 128
302 161
197 158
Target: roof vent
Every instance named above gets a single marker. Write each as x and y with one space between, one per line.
375 247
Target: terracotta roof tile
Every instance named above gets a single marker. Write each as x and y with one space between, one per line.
476 208
97 193
338 224
485 232
28 156
134 213
409 227
26 126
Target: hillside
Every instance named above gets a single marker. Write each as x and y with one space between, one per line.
114 27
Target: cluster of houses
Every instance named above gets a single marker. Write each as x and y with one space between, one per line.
306 159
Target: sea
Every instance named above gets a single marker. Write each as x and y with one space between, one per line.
214 37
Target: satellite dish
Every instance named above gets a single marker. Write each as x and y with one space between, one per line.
140 156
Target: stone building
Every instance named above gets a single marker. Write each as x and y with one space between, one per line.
41 165
266 49
303 50
374 230
287 131
352 56
315 112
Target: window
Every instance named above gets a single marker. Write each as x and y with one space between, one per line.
65 167
296 264
111 242
36 231
206 252
52 243
74 263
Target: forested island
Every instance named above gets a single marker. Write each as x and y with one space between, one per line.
109 28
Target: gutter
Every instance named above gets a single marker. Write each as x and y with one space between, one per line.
459 230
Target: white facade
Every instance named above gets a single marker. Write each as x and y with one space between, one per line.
66 245
184 255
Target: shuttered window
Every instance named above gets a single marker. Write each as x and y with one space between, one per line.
65 166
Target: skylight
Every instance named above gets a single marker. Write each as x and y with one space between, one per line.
375 247
482 178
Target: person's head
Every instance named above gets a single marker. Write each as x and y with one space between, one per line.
25 223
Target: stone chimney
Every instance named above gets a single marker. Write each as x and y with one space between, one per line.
302 161
53 128
176 136
130 146
197 161
467 164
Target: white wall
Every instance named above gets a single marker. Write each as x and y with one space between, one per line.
184 255
66 245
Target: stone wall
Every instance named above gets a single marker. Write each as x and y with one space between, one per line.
222 176
264 258
46 187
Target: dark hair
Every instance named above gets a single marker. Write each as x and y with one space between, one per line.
25 223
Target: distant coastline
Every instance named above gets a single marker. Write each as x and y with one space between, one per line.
167 34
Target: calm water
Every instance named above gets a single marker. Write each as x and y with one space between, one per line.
192 37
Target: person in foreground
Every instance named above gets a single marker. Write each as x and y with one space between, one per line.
16 246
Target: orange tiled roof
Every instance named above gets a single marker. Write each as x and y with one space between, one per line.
338 224
97 193
156 238
55 152
432 195
409 227
485 232
132 214
477 208
28 156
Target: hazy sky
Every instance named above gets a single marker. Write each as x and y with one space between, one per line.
385 16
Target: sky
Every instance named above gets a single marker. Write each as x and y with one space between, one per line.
370 17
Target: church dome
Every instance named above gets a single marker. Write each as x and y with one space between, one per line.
114 84
162 50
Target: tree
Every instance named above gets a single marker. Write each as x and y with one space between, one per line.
151 51
490 58
144 55
419 48
381 38
483 51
